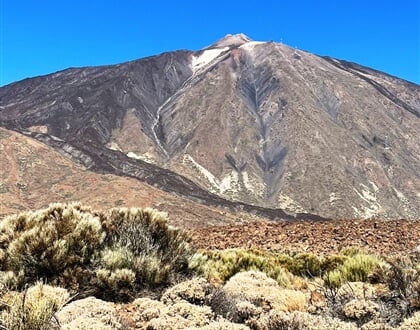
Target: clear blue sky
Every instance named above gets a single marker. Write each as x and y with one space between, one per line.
44 36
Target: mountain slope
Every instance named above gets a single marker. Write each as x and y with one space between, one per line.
256 123
34 175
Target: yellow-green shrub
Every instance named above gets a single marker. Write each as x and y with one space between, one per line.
141 242
33 309
103 253
42 244
356 268
222 265
305 264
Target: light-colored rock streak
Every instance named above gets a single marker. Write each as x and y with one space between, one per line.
155 123
227 183
199 65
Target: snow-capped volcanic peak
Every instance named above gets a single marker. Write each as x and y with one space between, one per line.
231 40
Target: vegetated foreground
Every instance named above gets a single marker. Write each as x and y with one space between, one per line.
70 267
319 237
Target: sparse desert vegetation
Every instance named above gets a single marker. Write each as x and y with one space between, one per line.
70 267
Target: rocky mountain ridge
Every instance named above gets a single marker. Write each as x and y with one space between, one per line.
254 126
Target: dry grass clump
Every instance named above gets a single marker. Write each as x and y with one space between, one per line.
32 309
142 251
111 255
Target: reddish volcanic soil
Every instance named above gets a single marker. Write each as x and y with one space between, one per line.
321 237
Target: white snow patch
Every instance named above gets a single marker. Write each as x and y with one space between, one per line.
206 57
250 45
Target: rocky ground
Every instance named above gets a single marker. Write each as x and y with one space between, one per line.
319 237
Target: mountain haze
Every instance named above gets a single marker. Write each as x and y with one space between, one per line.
249 126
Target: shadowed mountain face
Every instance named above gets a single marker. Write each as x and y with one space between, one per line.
255 126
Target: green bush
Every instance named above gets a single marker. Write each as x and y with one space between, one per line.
329 263
142 251
305 264
222 265
44 243
356 268
111 255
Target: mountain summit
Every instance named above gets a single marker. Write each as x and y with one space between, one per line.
231 40
253 126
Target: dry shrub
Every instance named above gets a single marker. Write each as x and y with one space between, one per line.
224 304
88 313
361 310
182 315
411 323
275 320
147 309
247 310
199 315
265 292
165 322
361 290
402 299
376 325
143 252
110 255
195 291
221 324
32 309
46 243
